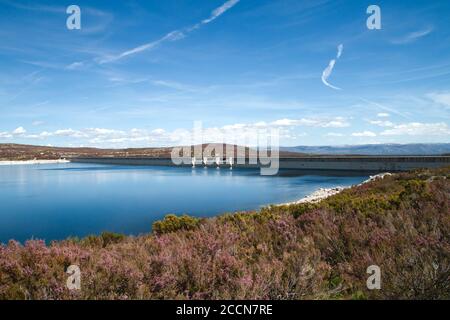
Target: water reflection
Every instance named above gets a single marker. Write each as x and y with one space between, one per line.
57 201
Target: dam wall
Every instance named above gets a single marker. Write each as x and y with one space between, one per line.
349 163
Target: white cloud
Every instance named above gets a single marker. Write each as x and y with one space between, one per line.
104 132
418 129
327 73
75 65
220 10
285 122
340 50
19 131
65 133
239 133
173 35
45 134
159 131
329 69
383 115
413 36
337 122
5 135
381 123
364 134
334 134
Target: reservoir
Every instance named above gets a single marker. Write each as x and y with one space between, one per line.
55 201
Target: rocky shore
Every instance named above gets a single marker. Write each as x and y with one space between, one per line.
324 193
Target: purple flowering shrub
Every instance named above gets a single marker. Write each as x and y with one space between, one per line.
400 223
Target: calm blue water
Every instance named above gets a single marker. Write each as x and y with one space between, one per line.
56 201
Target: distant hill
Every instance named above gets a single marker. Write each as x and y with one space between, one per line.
27 152
10 151
375 149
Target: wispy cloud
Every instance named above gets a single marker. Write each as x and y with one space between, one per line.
329 70
327 73
27 82
5 135
442 98
171 36
413 36
177 86
367 134
340 50
35 7
75 65
418 129
337 122
384 108
381 123
220 10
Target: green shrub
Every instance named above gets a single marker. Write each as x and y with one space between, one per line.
102 240
298 209
111 237
172 223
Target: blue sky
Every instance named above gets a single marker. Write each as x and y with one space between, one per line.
139 73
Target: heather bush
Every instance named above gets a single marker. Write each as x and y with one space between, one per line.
306 251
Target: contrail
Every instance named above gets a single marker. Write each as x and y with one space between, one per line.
340 50
329 69
174 35
327 72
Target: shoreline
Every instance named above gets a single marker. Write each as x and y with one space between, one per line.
31 162
323 193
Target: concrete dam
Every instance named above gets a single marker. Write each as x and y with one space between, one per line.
344 163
